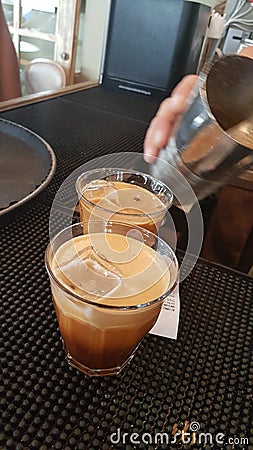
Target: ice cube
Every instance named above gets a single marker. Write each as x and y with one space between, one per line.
89 273
103 192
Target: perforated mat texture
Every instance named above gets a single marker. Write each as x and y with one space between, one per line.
205 376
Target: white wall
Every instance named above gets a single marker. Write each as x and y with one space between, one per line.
95 17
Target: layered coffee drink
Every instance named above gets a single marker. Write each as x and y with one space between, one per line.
122 197
108 294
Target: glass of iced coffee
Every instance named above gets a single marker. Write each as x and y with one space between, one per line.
123 195
108 283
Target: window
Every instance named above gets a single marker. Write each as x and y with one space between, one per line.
45 29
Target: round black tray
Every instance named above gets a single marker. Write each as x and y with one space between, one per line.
27 164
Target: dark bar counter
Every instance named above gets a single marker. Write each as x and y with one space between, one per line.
192 393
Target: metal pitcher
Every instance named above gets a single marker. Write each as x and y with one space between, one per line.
214 141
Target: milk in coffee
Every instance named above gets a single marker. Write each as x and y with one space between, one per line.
107 279
123 202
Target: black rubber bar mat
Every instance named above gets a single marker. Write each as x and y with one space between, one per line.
202 382
127 104
78 134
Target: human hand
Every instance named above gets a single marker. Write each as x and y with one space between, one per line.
166 118
247 51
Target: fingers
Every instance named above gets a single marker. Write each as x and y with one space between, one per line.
247 51
158 133
185 86
166 118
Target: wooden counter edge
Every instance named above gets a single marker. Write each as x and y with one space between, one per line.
35 98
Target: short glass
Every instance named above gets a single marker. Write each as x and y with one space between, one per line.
108 283
123 195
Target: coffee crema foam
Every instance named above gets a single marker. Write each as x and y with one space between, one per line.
123 197
112 269
123 202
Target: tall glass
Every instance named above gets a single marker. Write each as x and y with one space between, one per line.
108 283
123 195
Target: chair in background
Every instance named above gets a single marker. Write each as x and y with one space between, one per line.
43 75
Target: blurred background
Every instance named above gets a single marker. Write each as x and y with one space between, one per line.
73 32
